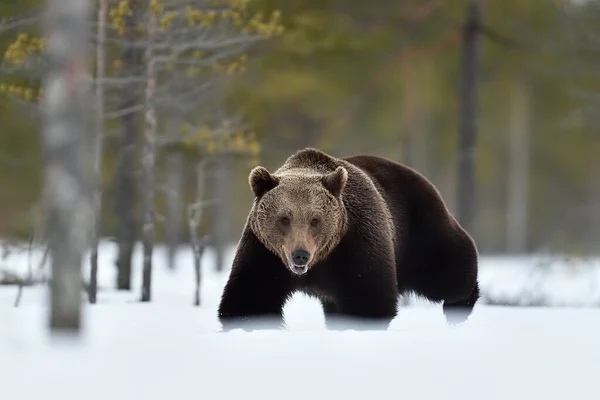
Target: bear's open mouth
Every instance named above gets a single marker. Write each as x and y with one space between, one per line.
299 269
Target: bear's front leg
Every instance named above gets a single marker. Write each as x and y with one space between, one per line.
249 303
256 290
363 283
365 301
253 300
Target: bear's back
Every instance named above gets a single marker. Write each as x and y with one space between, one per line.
405 190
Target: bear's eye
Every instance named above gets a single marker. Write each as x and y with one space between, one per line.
285 221
314 222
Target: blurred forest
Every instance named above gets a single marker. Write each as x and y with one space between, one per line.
379 77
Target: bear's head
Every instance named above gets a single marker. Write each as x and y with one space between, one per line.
298 214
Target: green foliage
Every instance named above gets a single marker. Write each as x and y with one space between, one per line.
208 141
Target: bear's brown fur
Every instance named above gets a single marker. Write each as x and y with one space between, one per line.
367 229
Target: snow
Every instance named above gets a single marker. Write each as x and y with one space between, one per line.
170 349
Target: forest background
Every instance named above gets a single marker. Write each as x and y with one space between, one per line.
272 77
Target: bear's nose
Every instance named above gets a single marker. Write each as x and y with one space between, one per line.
300 257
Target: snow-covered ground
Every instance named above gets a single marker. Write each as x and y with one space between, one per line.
170 349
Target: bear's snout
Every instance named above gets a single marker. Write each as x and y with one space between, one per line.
300 257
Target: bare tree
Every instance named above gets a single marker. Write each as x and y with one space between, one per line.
180 82
196 209
148 163
102 10
127 107
68 148
468 115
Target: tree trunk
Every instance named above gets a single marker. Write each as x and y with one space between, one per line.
68 145
148 162
126 194
195 212
468 117
222 215
175 206
518 169
93 289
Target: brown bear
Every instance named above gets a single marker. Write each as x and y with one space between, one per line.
354 232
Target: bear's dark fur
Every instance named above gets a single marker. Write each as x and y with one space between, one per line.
396 236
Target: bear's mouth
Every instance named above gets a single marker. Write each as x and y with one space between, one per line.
295 268
299 269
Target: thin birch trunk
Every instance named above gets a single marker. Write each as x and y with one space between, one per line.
68 145
195 212
148 163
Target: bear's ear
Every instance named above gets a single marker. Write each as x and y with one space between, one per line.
261 181
335 181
